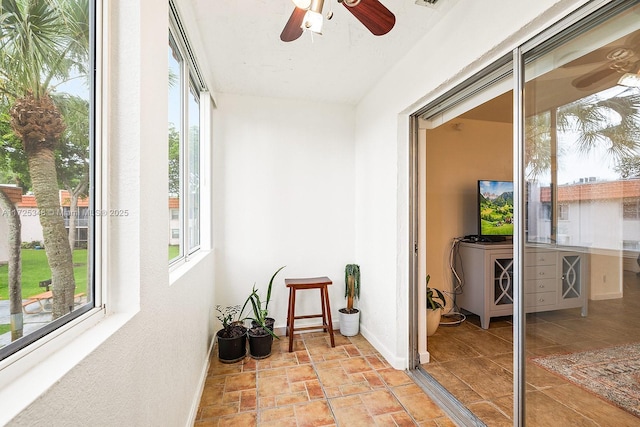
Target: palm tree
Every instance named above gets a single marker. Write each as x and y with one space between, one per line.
612 122
42 42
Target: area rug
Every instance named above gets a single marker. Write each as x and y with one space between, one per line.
612 373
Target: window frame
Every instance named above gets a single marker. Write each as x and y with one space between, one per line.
16 351
191 83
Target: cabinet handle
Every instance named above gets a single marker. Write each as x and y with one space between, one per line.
541 286
541 300
541 273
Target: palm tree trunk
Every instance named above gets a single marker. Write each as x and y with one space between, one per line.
56 242
15 266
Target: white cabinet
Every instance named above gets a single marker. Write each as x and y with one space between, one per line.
553 279
487 271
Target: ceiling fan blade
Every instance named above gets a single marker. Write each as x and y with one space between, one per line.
583 82
373 15
292 29
598 56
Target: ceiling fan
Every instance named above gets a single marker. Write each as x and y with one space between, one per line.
307 15
620 57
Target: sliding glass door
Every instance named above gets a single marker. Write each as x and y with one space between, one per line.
581 224
544 331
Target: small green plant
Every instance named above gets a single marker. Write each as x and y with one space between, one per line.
232 323
436 302
259 315
260 312
352 285
227 315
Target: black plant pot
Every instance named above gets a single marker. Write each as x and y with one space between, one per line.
232 349
260 345
268 322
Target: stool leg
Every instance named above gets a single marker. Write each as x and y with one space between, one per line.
292 315
288 314
330 323
325 324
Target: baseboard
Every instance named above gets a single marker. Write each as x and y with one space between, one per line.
193 413
399 363
610 295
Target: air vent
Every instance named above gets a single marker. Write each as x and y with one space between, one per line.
426 2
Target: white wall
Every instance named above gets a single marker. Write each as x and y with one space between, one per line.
284 195
31 229
441 59
144 362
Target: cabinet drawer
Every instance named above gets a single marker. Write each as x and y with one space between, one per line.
540 299
533 286
540 272
540 257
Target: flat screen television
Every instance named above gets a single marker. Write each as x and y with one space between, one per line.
495 210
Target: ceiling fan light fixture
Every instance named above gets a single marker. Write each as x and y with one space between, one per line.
302 4
312 21
630 80
313 18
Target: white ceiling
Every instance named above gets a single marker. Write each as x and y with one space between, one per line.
241 39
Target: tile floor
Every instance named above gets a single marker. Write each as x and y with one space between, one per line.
476 365
315 385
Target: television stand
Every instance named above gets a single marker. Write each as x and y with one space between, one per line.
554 278
494 238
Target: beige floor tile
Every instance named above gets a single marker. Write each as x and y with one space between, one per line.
247 419
380 402
314 414
394 378
315 385
240 382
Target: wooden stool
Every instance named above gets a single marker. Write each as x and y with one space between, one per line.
309 283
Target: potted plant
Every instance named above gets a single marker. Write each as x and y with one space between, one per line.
349 316
435 304
232 339
260 334
269 321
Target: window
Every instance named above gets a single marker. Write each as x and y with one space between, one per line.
563 212
184 146
631 208
46 221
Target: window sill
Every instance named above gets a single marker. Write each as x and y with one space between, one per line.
180 269
28 373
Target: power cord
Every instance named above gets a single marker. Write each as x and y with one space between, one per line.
455 314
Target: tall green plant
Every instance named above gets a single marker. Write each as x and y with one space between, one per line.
259 315
352 284
268 299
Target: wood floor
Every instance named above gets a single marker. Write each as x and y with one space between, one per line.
315 385
476 365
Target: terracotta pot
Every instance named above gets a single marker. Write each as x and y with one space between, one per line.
433 320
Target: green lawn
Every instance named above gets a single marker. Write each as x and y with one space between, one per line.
174 251
35 269
5 328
